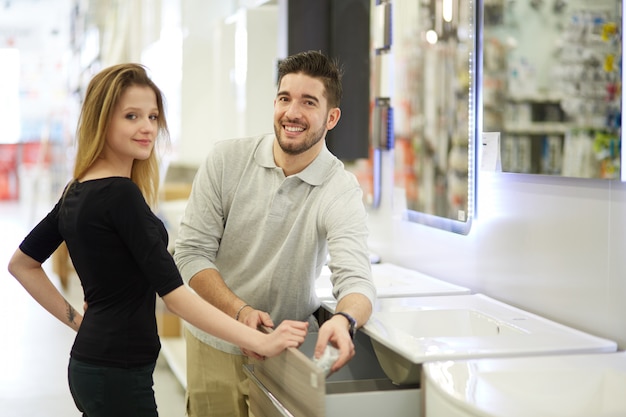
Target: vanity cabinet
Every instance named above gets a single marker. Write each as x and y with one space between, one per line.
291 384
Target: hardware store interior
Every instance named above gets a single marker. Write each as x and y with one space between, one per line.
485 134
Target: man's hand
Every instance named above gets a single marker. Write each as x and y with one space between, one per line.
336 332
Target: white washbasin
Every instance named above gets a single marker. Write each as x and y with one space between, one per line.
406 332
548 386
455 322
394 281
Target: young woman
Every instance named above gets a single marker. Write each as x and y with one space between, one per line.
119 250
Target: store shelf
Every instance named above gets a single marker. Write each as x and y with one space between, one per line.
174 351
535 98
537 128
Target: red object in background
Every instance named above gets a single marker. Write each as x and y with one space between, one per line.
9 186
35 152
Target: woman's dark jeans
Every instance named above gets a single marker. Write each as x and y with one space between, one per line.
101 391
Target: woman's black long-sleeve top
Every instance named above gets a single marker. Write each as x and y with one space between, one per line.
119 250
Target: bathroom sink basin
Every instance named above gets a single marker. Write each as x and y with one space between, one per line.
394 281
578 385
457 322
408 331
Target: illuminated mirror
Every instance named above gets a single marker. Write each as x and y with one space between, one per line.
552 85
434 54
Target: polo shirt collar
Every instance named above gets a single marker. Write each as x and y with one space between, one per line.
314 174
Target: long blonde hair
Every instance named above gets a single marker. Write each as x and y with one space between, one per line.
103 93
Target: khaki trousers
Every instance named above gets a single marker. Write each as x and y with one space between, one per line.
216 384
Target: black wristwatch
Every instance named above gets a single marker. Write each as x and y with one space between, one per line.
351 321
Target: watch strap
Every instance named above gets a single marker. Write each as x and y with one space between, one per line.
351 321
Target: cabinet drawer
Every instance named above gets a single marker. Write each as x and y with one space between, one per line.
290 384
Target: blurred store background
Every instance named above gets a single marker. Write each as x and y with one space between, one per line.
215 61
50 49
36 106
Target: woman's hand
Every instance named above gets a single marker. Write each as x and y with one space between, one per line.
255 319
288 334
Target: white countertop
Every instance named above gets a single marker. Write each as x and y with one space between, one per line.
422 329
395 281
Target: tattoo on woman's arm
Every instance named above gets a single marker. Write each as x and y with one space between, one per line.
71 313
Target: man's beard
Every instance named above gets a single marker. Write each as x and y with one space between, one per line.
310 139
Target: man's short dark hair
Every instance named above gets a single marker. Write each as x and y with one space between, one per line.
316 65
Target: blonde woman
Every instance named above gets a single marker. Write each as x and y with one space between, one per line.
119 249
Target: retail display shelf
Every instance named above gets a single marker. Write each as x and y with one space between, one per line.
173 349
